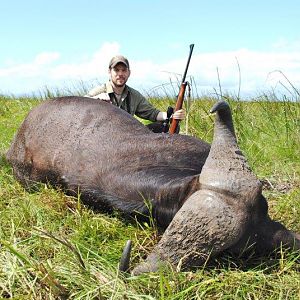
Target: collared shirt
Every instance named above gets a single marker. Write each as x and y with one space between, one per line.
131 100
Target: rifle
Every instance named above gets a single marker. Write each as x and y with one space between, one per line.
180 97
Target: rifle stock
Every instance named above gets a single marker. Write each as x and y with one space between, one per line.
180 98
179 103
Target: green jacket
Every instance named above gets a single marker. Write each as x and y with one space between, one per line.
131 100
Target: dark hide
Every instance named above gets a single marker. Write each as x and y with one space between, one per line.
87 145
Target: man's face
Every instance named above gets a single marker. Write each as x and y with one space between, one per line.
119 74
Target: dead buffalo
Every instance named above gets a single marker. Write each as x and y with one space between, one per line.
206 197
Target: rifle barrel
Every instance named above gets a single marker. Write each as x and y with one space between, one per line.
188 62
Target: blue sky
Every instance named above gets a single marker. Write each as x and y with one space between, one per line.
58 43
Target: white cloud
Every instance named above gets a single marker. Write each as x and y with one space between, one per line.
46 58
283 44
253 67
34 68
256 70
94 66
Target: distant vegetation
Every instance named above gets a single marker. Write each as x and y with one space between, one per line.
52 247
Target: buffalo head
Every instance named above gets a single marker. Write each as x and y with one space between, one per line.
228 212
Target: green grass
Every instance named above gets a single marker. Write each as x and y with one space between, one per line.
52 247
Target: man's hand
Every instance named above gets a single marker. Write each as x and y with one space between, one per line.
102 96
179 114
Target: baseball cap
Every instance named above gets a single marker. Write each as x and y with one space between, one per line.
118 59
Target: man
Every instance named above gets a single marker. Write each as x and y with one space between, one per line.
118 93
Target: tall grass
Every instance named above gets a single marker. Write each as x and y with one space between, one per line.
52 247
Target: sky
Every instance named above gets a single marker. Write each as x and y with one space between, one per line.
241 47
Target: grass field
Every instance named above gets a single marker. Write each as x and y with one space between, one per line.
52 247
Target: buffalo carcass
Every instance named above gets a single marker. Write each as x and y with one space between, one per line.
206 198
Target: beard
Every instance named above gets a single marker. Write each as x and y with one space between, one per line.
119 82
